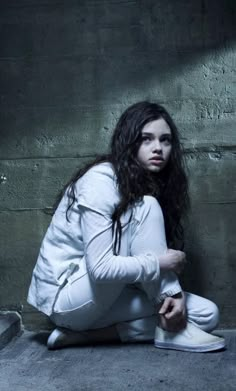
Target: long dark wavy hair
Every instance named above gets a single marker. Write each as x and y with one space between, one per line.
169 186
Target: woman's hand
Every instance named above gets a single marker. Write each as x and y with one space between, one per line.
173 313
173 260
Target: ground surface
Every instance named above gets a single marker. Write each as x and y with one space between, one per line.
26 364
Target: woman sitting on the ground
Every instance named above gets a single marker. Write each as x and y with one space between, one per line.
106 270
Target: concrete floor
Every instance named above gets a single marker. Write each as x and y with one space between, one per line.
26 364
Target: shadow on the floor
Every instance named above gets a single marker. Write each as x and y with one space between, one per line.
41 337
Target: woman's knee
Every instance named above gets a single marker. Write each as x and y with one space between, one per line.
149 208
147 228
203 312
150 202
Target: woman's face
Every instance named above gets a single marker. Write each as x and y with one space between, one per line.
155 149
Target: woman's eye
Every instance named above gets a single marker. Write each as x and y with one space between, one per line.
146 138
166 140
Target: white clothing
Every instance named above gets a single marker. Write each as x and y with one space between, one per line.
85 243
133 314
80 283
83 304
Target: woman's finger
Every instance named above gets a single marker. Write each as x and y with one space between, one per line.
165 306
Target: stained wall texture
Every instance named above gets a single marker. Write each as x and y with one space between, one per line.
68 69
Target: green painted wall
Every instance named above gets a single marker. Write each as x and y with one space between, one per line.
68 69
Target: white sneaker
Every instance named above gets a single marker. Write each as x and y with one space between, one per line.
61 338
190 339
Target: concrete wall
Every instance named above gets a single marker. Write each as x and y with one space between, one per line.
68 69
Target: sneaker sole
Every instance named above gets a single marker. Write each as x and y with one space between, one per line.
194 348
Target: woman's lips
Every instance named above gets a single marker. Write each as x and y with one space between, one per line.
156 161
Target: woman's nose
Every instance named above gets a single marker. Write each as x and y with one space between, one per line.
157 146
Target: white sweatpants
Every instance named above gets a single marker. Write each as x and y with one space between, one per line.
83 304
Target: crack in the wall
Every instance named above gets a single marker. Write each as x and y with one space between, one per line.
195 150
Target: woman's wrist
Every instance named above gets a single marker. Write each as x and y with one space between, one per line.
179 295
162 262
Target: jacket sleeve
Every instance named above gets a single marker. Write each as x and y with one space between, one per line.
102 265
97 197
